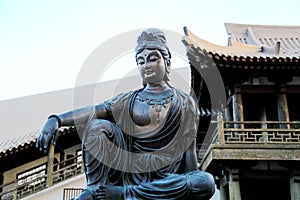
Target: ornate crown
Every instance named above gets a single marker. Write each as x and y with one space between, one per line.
153 36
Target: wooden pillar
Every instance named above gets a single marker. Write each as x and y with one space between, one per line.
223 193
237 108
50 165
295 186
220 128
228 109
228 116
223 189
1 181
283 111
234 185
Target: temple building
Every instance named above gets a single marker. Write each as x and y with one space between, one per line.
251 145
249 131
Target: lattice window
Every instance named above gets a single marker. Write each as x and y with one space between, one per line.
70 193
79 158
31 179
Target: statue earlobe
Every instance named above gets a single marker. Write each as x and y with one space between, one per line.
168 62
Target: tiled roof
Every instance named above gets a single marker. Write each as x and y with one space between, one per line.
17 143
246 48
267 36
236 56
25 141
236 48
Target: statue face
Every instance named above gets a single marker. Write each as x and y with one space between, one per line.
151 65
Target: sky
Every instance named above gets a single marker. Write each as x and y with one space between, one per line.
44 43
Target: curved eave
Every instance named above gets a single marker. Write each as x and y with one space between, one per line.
236 49
201 52
197 56
19 144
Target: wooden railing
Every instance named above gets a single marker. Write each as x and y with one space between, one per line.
23 187
250 133
267 132
257 132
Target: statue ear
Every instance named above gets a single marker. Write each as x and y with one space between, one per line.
168 63
168 67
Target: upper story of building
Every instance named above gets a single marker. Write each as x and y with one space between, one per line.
253 85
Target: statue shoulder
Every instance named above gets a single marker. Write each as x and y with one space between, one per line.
190 113
119 99
188 103
186 99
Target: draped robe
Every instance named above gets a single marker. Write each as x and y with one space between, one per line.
148 166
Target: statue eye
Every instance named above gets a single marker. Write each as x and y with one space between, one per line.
141 62
153 58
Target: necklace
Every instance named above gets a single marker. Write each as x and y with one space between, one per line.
157 101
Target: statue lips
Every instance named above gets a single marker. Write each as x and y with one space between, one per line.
148 72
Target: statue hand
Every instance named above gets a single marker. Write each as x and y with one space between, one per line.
49 132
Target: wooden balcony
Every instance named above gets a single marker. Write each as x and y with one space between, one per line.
36 182
251 140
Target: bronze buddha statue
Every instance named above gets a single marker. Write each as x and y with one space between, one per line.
140 144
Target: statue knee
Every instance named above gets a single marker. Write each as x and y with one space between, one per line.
201 185
98 127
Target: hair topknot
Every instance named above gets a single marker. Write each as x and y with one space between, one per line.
153 38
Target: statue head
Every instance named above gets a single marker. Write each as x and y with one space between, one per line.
155 39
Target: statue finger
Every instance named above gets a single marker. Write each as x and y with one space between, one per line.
56 135
46 146
41 139
38 142
46 140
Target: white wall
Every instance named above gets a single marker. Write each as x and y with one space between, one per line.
56 191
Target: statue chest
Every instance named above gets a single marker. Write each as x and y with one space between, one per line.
150 111
149 115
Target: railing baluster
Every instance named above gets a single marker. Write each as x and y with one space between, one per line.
268 133
50 165
264 127
221 127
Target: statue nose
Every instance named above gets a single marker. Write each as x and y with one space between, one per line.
147 65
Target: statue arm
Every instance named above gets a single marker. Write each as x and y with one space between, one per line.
80 116
191 158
